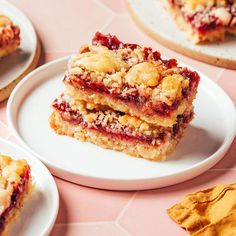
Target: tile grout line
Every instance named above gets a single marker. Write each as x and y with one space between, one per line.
125 207
84 223
107 23
104 6
122 229
3 124
9 135
219 74
8 130
93 223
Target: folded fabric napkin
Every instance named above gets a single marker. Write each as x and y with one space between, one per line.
211 212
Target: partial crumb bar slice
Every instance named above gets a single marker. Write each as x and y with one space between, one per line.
9 36
15 185
116 130
204 20
131 79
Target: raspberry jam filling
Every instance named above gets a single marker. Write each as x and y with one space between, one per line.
19 190
197 20
135 99
74 117
111 42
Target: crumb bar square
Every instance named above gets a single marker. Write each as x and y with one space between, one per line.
204 20
15 185
126 98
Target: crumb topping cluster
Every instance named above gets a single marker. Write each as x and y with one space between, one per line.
4 21
201 4
129 70
208 14
8 32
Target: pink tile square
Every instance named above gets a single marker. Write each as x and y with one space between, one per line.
82 204
90 229
228 82
65 25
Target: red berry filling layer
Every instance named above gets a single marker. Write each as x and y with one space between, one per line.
135 99
110 127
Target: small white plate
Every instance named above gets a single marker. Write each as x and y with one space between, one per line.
208 138
157 22
21 62
39 212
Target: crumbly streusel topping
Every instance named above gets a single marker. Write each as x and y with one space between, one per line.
127 70
4 21
201 4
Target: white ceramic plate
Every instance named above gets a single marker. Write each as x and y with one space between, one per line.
158 23
39 212
26 57
209 136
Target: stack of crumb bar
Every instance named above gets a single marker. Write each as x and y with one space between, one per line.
126 98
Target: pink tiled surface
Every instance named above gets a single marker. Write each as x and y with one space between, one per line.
62 26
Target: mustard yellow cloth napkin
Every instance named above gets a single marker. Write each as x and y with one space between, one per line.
211 212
